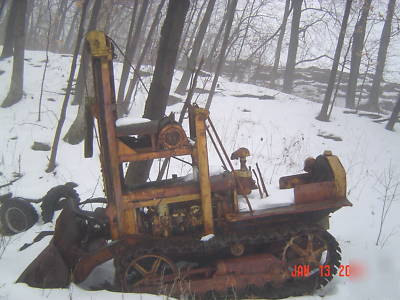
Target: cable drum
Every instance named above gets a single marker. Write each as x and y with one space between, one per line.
172 136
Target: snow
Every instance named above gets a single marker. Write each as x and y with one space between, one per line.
207 237
125 121
276 198
279 133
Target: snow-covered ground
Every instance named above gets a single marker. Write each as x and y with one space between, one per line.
280 134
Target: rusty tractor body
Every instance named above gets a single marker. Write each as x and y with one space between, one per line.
187 235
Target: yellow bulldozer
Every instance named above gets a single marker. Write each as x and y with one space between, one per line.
188 235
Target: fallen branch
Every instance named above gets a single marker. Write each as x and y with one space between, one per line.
11 182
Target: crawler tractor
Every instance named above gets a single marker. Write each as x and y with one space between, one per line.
188 235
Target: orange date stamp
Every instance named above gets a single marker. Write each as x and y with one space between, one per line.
326 271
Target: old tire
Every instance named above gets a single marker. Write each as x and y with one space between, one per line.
54 199
17 215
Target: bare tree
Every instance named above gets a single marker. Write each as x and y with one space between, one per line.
52 162
46 62
394 117
221 59
185 50
191 63
356 54
68 39
161 84
2 5
323 114
76 132
246 30
59 24
278 49
8 44
293 45
80 81
211 54
130 52
380 65
123 109
16 91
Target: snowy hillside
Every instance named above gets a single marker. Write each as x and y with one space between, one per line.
280 134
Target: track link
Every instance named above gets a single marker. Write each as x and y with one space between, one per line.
254 239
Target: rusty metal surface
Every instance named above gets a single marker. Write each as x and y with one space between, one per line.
147 128
288 182
236 273
48 270
338 173
172 136
330 204
315 192
177 187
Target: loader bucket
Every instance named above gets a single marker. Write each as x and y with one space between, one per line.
53 266
48 270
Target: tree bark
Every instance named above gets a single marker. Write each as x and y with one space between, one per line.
4 14
234 69
2 4
130 52
76 132
8 44
278 49
293 45
80 81
196 25
221 60
52 162
210 58
323 115
187 26
191 63
394 116
136 73
161 84
373 101
58 26
356 54
16 90
71 30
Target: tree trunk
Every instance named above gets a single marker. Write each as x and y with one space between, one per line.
394 116
16 90
108 12
58 26
76 132
80 81
187 26
71 30
196 25
31 38
4 16
356 53
278 49
161 84
130 52
8 44
234 69
136 73
210 58
293 45
191 64
2 4
52 162
373 100
323 115
221 60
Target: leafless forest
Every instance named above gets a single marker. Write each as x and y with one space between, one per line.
322 50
